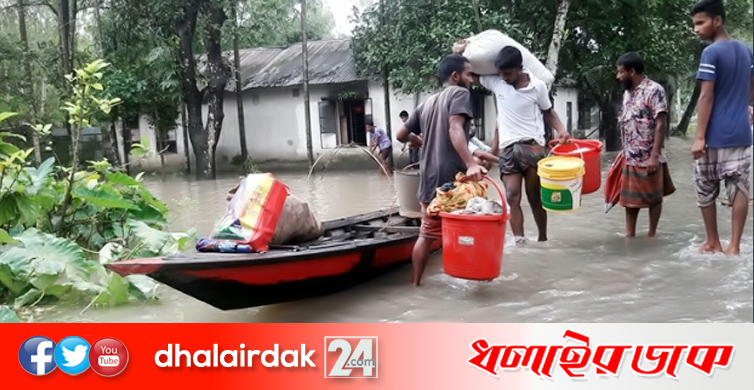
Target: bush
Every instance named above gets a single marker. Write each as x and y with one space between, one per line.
59 226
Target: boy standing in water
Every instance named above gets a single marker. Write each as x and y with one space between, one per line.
444 121
722 148
379 140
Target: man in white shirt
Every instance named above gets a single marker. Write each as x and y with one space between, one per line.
523 104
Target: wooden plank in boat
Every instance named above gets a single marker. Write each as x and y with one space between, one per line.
387 229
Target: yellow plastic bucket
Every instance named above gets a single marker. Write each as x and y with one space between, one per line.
561 179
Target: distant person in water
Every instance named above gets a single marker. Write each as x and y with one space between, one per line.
413 152
722 148
381 142
642 122
481 152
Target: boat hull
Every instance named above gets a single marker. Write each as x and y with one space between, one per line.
236 281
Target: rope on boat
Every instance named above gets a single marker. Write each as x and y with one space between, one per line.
332 152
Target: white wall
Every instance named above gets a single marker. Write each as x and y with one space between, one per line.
400 102
562 97
148 132
276 130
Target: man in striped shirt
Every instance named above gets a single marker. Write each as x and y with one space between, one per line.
722 148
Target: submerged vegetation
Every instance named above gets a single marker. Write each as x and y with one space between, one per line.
60 225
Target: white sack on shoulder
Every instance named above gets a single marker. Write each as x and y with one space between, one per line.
482 49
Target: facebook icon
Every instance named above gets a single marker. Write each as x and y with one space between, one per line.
37 355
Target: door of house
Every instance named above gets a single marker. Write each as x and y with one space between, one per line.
328 126
356 112
477 102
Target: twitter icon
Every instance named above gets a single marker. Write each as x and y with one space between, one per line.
72 355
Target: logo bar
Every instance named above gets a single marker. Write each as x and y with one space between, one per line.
40 355
351 357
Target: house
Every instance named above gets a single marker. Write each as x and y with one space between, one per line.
340 103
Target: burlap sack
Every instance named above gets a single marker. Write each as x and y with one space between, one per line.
297 224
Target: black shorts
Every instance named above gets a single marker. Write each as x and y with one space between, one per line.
384 153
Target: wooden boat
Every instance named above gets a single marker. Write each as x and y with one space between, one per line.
352 250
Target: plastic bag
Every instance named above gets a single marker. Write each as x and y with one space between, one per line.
253 212
481 206
454 196
482 50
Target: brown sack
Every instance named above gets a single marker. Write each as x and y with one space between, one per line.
297 224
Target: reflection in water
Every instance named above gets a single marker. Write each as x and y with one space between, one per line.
587 272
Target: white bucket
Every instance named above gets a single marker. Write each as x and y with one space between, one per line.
407 185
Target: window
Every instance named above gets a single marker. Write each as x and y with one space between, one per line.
168 143
135 135
131 131
328 127
132 122
477 102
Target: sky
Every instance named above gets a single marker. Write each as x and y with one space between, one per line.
341 10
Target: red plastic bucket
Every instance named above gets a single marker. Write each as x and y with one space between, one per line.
588 150
472 245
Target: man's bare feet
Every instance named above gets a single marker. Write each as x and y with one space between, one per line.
520 241
731 251
711 248
629 235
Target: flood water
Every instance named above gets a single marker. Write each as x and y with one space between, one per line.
587 272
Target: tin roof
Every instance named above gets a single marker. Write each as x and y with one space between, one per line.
330 62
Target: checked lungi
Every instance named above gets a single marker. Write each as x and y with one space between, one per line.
641 189
729 165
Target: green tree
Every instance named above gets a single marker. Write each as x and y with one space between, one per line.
595 33
146 73
278 22
659 30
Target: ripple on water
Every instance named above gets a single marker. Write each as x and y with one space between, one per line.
586 272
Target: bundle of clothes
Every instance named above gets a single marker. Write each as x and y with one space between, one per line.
261 212
464 197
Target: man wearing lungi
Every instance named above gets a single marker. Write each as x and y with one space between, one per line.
722 148
642 121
